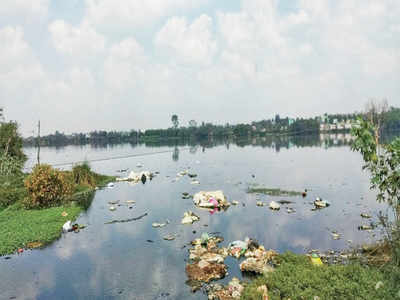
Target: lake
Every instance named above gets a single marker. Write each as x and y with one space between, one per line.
116 261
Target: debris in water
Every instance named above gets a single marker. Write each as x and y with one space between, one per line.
169 237
112 208
189 218
366 216
235 202
260 203
202 199
126 220
274 206
319 203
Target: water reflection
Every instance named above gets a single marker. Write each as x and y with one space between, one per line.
115 261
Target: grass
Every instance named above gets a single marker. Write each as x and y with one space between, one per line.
272 191
20 226
296 278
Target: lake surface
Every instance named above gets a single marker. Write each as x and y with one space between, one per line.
117 262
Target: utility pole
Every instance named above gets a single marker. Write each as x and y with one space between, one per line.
38 144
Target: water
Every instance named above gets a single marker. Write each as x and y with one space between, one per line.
117 262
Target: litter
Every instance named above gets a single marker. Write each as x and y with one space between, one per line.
195 182
365 227
110 185
192 175
232 291
335 236
274 206
139 165
319 203
202 199
260 203
112 208
189 218
169 237
33 245
64 214
136 177
366 216
315 260
235 202
67 226
238 248
130 201
113 202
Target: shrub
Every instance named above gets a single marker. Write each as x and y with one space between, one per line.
83 175
47 186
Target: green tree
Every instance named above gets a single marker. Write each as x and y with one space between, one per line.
175 121
11 142
383 163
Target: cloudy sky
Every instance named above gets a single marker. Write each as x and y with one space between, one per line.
80 65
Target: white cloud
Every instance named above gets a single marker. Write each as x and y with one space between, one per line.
19 69
125 15
76 41
24 8
188 43
124 65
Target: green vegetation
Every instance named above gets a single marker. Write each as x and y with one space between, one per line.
52 196
19 226
272 191
297 278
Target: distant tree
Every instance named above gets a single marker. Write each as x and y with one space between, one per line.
175 121
192 123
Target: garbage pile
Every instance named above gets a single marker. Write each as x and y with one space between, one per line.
233 290
207 264
207 261
137 177
210 200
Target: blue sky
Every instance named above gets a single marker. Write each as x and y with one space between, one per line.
122 64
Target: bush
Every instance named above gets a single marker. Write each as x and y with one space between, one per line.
83 175
47 187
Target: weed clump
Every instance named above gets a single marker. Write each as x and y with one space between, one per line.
47 187
83 175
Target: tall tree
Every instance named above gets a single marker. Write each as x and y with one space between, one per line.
175 121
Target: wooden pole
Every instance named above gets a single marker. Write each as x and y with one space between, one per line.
38 144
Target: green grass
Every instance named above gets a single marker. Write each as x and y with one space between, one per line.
272 191
20 226
296 278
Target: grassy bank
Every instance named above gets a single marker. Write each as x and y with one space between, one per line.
27 228
297 278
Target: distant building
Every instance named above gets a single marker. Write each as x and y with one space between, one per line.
290 121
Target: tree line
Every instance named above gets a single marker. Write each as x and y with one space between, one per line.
193 130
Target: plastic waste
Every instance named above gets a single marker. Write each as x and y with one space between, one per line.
316 260
319 203
189 217
110 185
274 205
213 201
112 208
67 226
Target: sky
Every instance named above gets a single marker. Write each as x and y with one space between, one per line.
83 65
